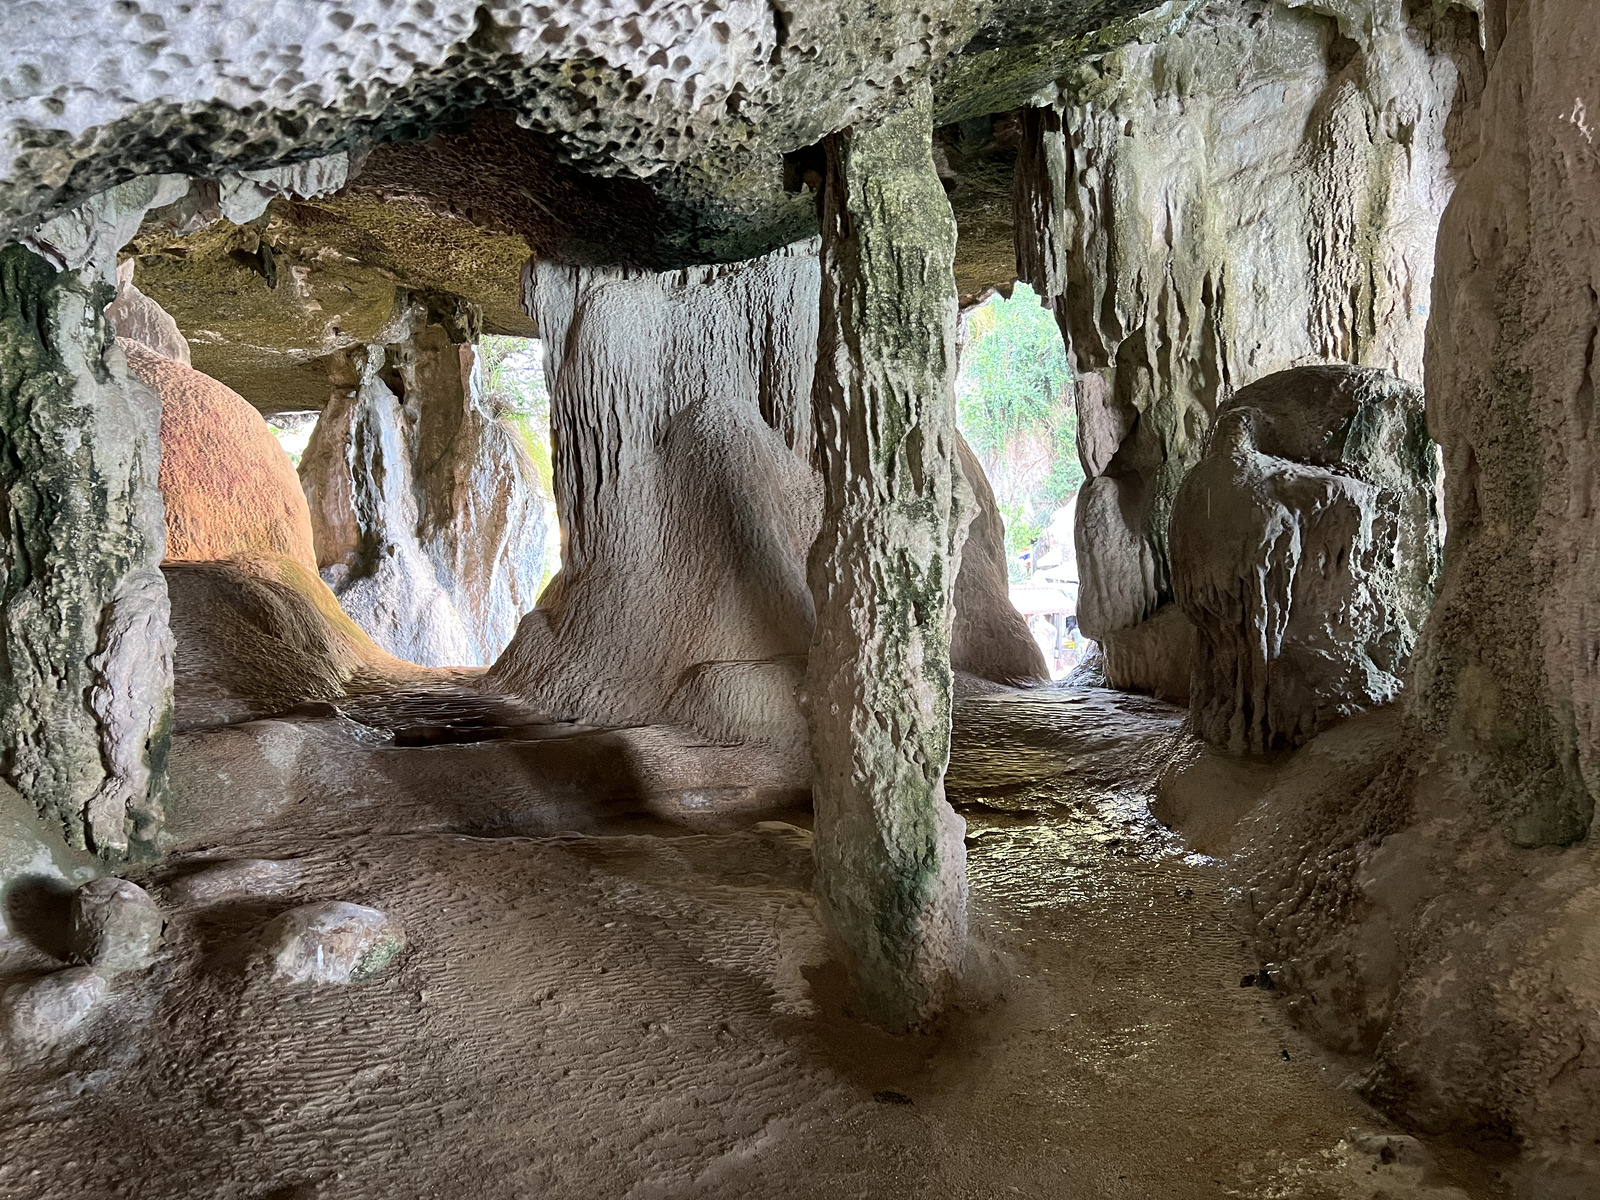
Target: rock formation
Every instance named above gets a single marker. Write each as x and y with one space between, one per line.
989 639
680 413
427 513
1217 201
1305 544
682 419
256 636
890 853
1420 881
1511 385
85 675
228 487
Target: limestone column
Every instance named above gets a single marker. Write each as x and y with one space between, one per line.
891 859
85 654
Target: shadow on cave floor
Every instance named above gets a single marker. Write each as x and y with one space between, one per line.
589 1007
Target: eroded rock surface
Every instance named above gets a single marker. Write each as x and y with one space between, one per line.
891 862
1305 545
1507 672
257 636
85 677
1219 201
243 879
681 418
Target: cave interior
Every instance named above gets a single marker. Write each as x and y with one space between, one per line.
656 792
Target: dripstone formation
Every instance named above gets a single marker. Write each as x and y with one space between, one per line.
1263 229
1305 543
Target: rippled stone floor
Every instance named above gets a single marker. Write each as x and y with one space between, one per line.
611 999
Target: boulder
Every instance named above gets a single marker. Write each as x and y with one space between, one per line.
330 942
116 926
228 485
1305 544
41 1013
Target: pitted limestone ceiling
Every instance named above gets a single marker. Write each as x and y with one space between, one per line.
698 97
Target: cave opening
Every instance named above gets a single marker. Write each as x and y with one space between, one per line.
714 601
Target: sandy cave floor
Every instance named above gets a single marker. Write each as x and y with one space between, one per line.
635 1007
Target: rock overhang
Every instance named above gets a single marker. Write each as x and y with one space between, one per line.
695 99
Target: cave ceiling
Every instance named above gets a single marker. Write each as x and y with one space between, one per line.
651 136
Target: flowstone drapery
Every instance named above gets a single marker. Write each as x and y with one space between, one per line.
1229 199
890 853
86 664
427 511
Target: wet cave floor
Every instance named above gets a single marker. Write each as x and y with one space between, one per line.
638 1007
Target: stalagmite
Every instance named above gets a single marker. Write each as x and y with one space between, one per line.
86 669
890 855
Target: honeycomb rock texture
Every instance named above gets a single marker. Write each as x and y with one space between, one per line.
426 510
1218 202
699 96
1305 545
227 485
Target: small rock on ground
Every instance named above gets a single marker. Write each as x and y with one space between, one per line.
116 926
330 942
41 1013
244 878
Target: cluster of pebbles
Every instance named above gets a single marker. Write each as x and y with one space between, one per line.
116 928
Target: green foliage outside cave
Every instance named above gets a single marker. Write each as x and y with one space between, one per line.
1015 406
514 384
513 379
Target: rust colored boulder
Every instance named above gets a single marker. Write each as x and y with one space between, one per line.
229 488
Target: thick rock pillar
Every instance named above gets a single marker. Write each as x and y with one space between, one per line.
891 860
85 656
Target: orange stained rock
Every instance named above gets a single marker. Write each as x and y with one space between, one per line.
230 489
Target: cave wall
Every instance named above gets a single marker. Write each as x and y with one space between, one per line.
427 512
1507 672
1420 880
1259 187
86 667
